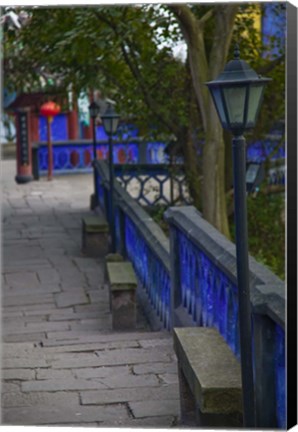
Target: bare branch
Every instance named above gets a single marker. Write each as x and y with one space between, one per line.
206 17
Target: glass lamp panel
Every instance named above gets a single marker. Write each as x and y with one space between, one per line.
107 124
235 103
217 99
115 121
255 95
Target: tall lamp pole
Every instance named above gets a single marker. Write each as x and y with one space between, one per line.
94 111
110 123
237 94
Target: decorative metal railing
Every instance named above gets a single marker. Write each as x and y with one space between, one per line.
141 240
191 281
155 184
205 293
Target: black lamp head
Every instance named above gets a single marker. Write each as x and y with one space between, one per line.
237 94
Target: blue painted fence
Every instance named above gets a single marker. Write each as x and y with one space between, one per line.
204 283
191 281
77 157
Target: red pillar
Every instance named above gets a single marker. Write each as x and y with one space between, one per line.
88 131
34 127
24 156
73 127
50 148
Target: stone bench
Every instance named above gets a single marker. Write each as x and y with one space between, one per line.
123 284
209 379
95 236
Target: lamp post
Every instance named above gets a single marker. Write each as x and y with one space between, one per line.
94 111
49 110
237 94
110 123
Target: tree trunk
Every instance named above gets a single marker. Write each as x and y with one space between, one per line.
191 168
214 197
202 70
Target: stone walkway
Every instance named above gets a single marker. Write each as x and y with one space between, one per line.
61 362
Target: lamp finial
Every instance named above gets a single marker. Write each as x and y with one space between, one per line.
236 52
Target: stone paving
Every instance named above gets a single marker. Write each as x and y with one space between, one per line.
61 362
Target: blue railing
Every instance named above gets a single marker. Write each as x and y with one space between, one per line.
141 240
191 280
205 292
78 157
152 273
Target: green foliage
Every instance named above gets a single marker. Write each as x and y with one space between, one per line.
266 230
121 50
157 214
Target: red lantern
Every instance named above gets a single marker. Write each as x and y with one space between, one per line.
49 110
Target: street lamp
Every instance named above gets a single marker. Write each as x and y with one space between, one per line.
94 111
110 123
237 94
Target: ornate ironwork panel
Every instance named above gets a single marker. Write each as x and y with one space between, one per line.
152 185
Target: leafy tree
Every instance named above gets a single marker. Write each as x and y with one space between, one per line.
116 49
126 52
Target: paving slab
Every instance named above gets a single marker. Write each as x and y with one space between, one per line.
159 422
91 346
34 337
146 408
158 394
22 280
18 374
158 368
54 415
21 399
47 276
112 357
64 384
101 372
40 289
23 320
70 299
23 300
54 374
